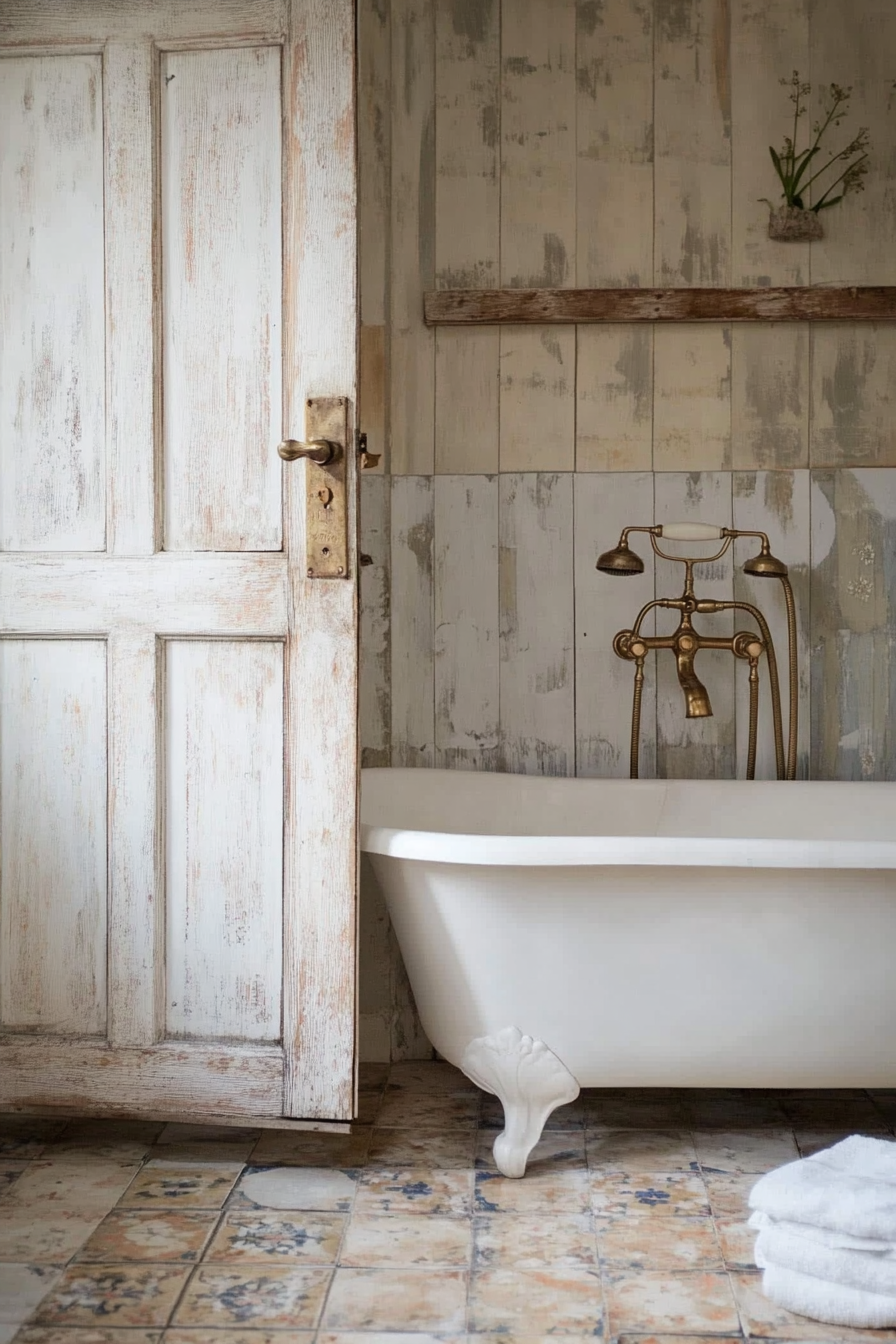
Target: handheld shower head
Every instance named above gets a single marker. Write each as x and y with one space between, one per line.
765 566
621 560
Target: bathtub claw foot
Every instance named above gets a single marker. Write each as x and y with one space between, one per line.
530 1082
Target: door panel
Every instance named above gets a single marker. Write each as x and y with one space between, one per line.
178 796
52 359
53 836
224 845
221 296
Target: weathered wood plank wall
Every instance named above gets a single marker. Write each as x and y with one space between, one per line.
524 143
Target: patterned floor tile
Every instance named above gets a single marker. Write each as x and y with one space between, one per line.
729 1193
422 1148
156 1235
275 1296
72 1184
186 1186
406 1241
198 1334
44 1235
397 1299
390 1337
27 1136
22 1287
641 1150
650 1195
432 1077
179 1133
126 1294
87 1140
370 1101
761 1317
555 1149
635 1113
406 1109
678 1339
737 1241
313 1149
571 1116
9 1174
320 1189
521 1242
264 1238
68 1334
749 1151
672 1244
416 1190
555 1190
648 1300
732 1112
555 1301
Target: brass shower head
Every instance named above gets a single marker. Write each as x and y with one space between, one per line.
620 560
765 566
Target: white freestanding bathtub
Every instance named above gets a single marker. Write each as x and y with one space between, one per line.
561 933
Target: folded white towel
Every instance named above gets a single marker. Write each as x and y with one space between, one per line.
823 1236
848 1188
853 1269
832 1303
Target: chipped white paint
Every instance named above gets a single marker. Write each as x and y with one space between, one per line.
413 705
52 379
223 841
374 693
467 229
221 285
281 782
692 397
536 624
53 830
412 345
770 395
604 504
466 621
538 407
614 398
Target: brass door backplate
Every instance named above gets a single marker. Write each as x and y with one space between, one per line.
326 516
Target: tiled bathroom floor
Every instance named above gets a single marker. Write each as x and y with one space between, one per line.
630 1223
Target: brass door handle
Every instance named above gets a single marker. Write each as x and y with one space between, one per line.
321 451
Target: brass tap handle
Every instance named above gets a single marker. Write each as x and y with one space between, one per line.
321 451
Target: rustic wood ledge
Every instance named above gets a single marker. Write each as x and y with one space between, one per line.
485 307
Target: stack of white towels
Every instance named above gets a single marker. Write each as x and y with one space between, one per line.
827 1234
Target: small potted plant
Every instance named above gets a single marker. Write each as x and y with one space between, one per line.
798 170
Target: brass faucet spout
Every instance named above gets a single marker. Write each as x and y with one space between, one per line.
696 696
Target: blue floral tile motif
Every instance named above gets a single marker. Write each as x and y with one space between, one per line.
122 1294
651 1196
281 1296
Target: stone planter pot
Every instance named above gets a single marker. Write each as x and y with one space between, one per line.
788 224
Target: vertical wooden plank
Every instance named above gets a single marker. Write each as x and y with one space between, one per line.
692 121
467 229
128 82
136 898
538 229
769 363
692 397
374 971
52 365
320 276
374 169
853 375
695 748
53 834
614 165
853 624
777 503
614 398
537 634
605 504
374 698
466 622
223 844
413 684
852 421
221 279
412 267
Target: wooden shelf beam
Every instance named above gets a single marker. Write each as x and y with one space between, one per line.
486 307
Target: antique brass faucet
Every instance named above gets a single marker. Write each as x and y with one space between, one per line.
686 642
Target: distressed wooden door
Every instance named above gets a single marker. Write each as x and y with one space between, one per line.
178 743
